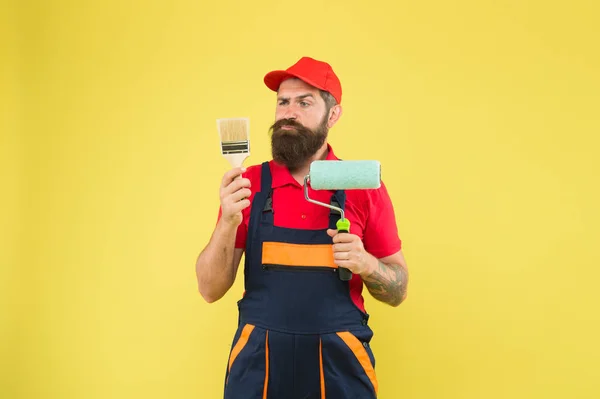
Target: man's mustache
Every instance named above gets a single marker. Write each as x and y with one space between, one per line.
287 122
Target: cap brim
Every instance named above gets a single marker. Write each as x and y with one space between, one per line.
273 79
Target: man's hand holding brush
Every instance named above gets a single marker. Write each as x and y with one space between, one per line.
234 193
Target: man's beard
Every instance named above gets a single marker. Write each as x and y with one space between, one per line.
293 148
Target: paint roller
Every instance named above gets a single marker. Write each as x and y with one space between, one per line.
342 175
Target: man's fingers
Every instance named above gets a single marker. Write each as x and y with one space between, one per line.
343 238
240 194
240 205
346 264
235 186
230 175
341 255
235 207
342 247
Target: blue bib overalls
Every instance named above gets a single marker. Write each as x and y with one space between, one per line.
300 335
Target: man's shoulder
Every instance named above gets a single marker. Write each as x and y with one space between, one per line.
253 172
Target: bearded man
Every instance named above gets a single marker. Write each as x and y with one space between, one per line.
302 332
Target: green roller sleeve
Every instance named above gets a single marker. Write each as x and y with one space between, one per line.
345 175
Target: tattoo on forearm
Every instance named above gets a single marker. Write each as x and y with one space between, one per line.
387 283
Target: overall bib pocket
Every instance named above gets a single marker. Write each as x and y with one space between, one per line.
300 257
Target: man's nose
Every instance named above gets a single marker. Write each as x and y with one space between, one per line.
291 113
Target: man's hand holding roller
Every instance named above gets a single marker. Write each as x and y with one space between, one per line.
385 278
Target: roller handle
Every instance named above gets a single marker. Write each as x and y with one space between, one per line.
343 226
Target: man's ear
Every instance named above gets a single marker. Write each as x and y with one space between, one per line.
335 113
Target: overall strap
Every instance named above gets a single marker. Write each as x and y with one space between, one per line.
267 194
338 199
265 178
262 200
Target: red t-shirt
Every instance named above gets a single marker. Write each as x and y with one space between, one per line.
370 212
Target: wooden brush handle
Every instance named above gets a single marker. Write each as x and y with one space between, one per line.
236 160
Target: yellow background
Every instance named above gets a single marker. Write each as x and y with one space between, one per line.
484 115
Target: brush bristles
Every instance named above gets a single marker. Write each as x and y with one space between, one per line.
233 129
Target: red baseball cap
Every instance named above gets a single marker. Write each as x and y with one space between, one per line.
316 73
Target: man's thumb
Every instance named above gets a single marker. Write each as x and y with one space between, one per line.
331 232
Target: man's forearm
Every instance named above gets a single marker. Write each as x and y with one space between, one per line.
214 267
387 282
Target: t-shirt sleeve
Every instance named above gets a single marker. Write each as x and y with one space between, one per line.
380 236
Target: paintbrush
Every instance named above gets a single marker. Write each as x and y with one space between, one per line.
235 139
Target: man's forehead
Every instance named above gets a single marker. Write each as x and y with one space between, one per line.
295 84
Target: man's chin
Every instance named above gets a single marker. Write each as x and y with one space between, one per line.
292 165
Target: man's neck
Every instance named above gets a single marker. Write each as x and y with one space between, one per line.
299 173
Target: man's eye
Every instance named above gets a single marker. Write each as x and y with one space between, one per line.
304 104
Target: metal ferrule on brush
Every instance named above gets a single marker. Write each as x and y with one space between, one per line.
235 147
306 180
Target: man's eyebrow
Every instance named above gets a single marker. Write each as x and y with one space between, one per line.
302 97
